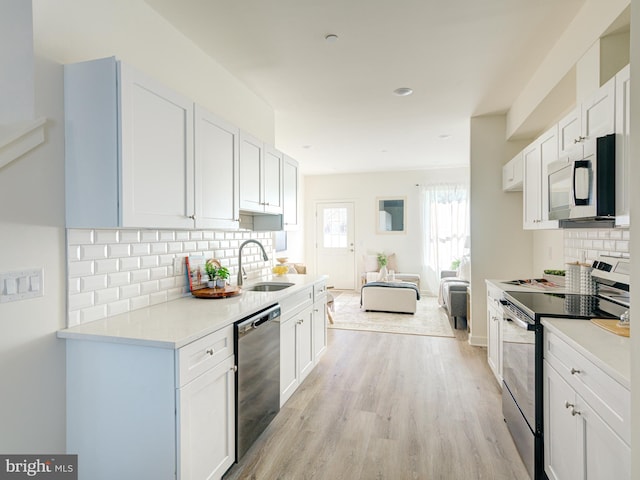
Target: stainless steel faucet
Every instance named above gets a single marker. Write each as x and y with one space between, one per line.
264 256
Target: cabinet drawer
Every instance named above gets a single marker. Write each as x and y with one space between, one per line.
199 356
319 291
608 398
294 303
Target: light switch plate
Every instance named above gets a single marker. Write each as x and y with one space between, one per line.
21 285
178 263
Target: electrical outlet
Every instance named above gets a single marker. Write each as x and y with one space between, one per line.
178 268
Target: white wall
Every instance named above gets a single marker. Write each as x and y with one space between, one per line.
32 359
363 189
70 31
500 248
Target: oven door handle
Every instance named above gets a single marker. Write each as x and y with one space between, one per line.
518 321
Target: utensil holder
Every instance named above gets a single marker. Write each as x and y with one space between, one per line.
572 278
587 282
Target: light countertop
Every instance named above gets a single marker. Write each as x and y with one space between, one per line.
506 287
179 322
610 352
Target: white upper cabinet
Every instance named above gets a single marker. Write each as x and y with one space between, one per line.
598 116
216 172
272 180
536 158
622 145
260 176
569 143
290 193
129 149
251 152
512 174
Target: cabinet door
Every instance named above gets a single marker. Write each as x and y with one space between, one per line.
603 454
156 154
272 180
569 132
290 194
532 187
622 145
512 174
561 441
598 116
288 359
494 319
305 342
251 152
216 172
548 154
319 328
206 423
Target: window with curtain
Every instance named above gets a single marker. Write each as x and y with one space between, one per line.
445 212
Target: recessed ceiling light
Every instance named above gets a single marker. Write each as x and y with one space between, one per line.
331 38
403 91
444 136
306 147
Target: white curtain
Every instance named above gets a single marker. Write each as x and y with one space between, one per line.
445 227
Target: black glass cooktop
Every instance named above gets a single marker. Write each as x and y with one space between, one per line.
544 304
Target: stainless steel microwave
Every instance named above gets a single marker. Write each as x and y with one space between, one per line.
584 189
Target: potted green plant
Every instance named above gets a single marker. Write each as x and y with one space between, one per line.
222 274
211 270
382 261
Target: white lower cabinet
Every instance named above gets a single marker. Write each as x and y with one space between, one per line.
494 331
296 351
136 411
303 336
578 442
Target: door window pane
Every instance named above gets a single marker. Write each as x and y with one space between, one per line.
335 228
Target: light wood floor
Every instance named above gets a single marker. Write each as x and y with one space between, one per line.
387 406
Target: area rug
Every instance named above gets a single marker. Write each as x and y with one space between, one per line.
430 319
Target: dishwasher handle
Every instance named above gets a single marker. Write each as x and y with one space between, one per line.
248 325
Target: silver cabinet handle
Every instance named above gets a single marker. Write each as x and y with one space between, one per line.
574 371
575 412
568 405
234 368
210 351
192 217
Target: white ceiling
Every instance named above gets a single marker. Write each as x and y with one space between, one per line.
461 57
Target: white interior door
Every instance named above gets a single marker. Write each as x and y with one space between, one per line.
335 251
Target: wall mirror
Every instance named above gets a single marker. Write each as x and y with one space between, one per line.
391 215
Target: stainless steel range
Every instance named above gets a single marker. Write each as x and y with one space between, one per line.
522 348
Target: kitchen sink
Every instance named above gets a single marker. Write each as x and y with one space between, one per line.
268 286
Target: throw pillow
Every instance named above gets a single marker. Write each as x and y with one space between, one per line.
392 262
370 263
464 270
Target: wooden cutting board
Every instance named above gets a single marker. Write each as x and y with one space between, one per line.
612 326
228 291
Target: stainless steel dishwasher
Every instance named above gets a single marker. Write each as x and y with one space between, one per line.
257 342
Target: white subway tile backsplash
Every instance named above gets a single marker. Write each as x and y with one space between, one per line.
80 300
93 252
106 296
80 269
93 313
129 291
118 250
94 282
79 237
113 271
139 302
149 261
149 287
115 308
589 244
138 249
148 235
106 236
132 263
109 265
117 279
158 248
138 276
129 236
